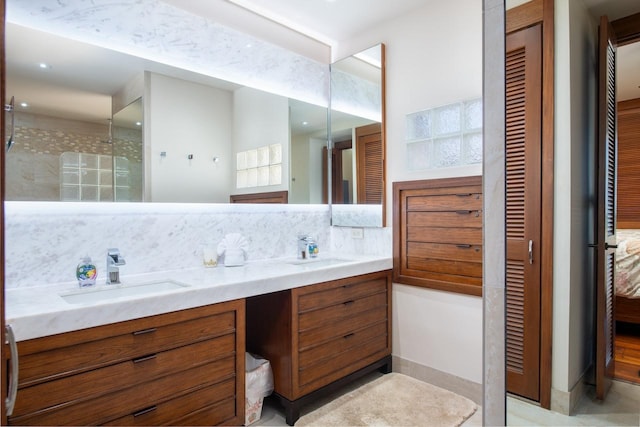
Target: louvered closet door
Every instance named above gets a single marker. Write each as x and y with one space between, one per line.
523 186
370 164
606 258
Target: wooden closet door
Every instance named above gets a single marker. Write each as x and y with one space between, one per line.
523 224
606 211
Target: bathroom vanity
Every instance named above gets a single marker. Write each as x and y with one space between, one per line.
321 334
180 368
176 356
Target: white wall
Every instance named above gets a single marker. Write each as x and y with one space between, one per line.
299 189
575 118
183 118
306 169
434 57
260 119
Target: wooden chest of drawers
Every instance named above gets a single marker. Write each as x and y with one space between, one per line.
180 368
438 242
318 335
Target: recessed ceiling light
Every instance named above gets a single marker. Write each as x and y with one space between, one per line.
24 104
44 65
138 123
305 123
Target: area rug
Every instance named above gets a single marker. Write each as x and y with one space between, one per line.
393 400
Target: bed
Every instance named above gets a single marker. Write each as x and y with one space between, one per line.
627 277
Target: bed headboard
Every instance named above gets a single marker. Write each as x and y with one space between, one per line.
628 206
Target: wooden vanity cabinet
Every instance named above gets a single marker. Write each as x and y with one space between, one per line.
180 368
322 336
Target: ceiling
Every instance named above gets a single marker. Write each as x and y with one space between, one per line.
328 21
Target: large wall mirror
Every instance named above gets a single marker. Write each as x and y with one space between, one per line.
357 178
97 124
92 124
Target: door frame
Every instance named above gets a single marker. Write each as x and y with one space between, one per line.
3 357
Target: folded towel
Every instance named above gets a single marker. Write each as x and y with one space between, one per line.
234 248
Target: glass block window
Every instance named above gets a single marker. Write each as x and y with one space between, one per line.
446 136
259 167
89 177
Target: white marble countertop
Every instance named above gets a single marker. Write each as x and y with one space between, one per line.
39 311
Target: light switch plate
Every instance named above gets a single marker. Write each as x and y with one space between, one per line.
357 233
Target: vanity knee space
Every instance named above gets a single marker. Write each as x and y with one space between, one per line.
319 335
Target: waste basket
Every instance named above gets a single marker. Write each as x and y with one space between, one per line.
258 385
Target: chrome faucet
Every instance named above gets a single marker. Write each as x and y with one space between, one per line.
114 260
302 246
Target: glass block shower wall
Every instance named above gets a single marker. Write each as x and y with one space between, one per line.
446 136
33 165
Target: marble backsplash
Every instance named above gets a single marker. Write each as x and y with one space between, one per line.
45 240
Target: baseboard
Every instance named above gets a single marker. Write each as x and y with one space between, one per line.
461 386
565 402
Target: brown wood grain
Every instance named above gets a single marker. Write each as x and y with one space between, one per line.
107 374
270 197
315 335
628 185
439 238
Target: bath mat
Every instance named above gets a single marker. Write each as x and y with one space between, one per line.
393 400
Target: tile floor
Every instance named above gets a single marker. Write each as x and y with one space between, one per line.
621 408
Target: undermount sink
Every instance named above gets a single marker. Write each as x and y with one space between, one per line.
319 262
106 292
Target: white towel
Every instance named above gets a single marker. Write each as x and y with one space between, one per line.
234 248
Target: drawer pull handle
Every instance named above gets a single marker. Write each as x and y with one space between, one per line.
144 358
10 400
463 212
348 335
348 302
463 246
145 411
464 194
144 331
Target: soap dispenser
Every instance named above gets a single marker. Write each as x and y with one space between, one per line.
86 272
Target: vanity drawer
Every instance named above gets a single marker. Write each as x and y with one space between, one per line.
89 384
101 409
321 353
342 328
343 363
338 292
331 314
150 337
212 405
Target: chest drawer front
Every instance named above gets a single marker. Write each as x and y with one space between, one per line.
112 378
64 361
340 293
213 415
450 199
321 354
131 400
331 314
212 405
343 363
342 328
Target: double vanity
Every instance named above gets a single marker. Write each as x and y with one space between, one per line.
169 347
